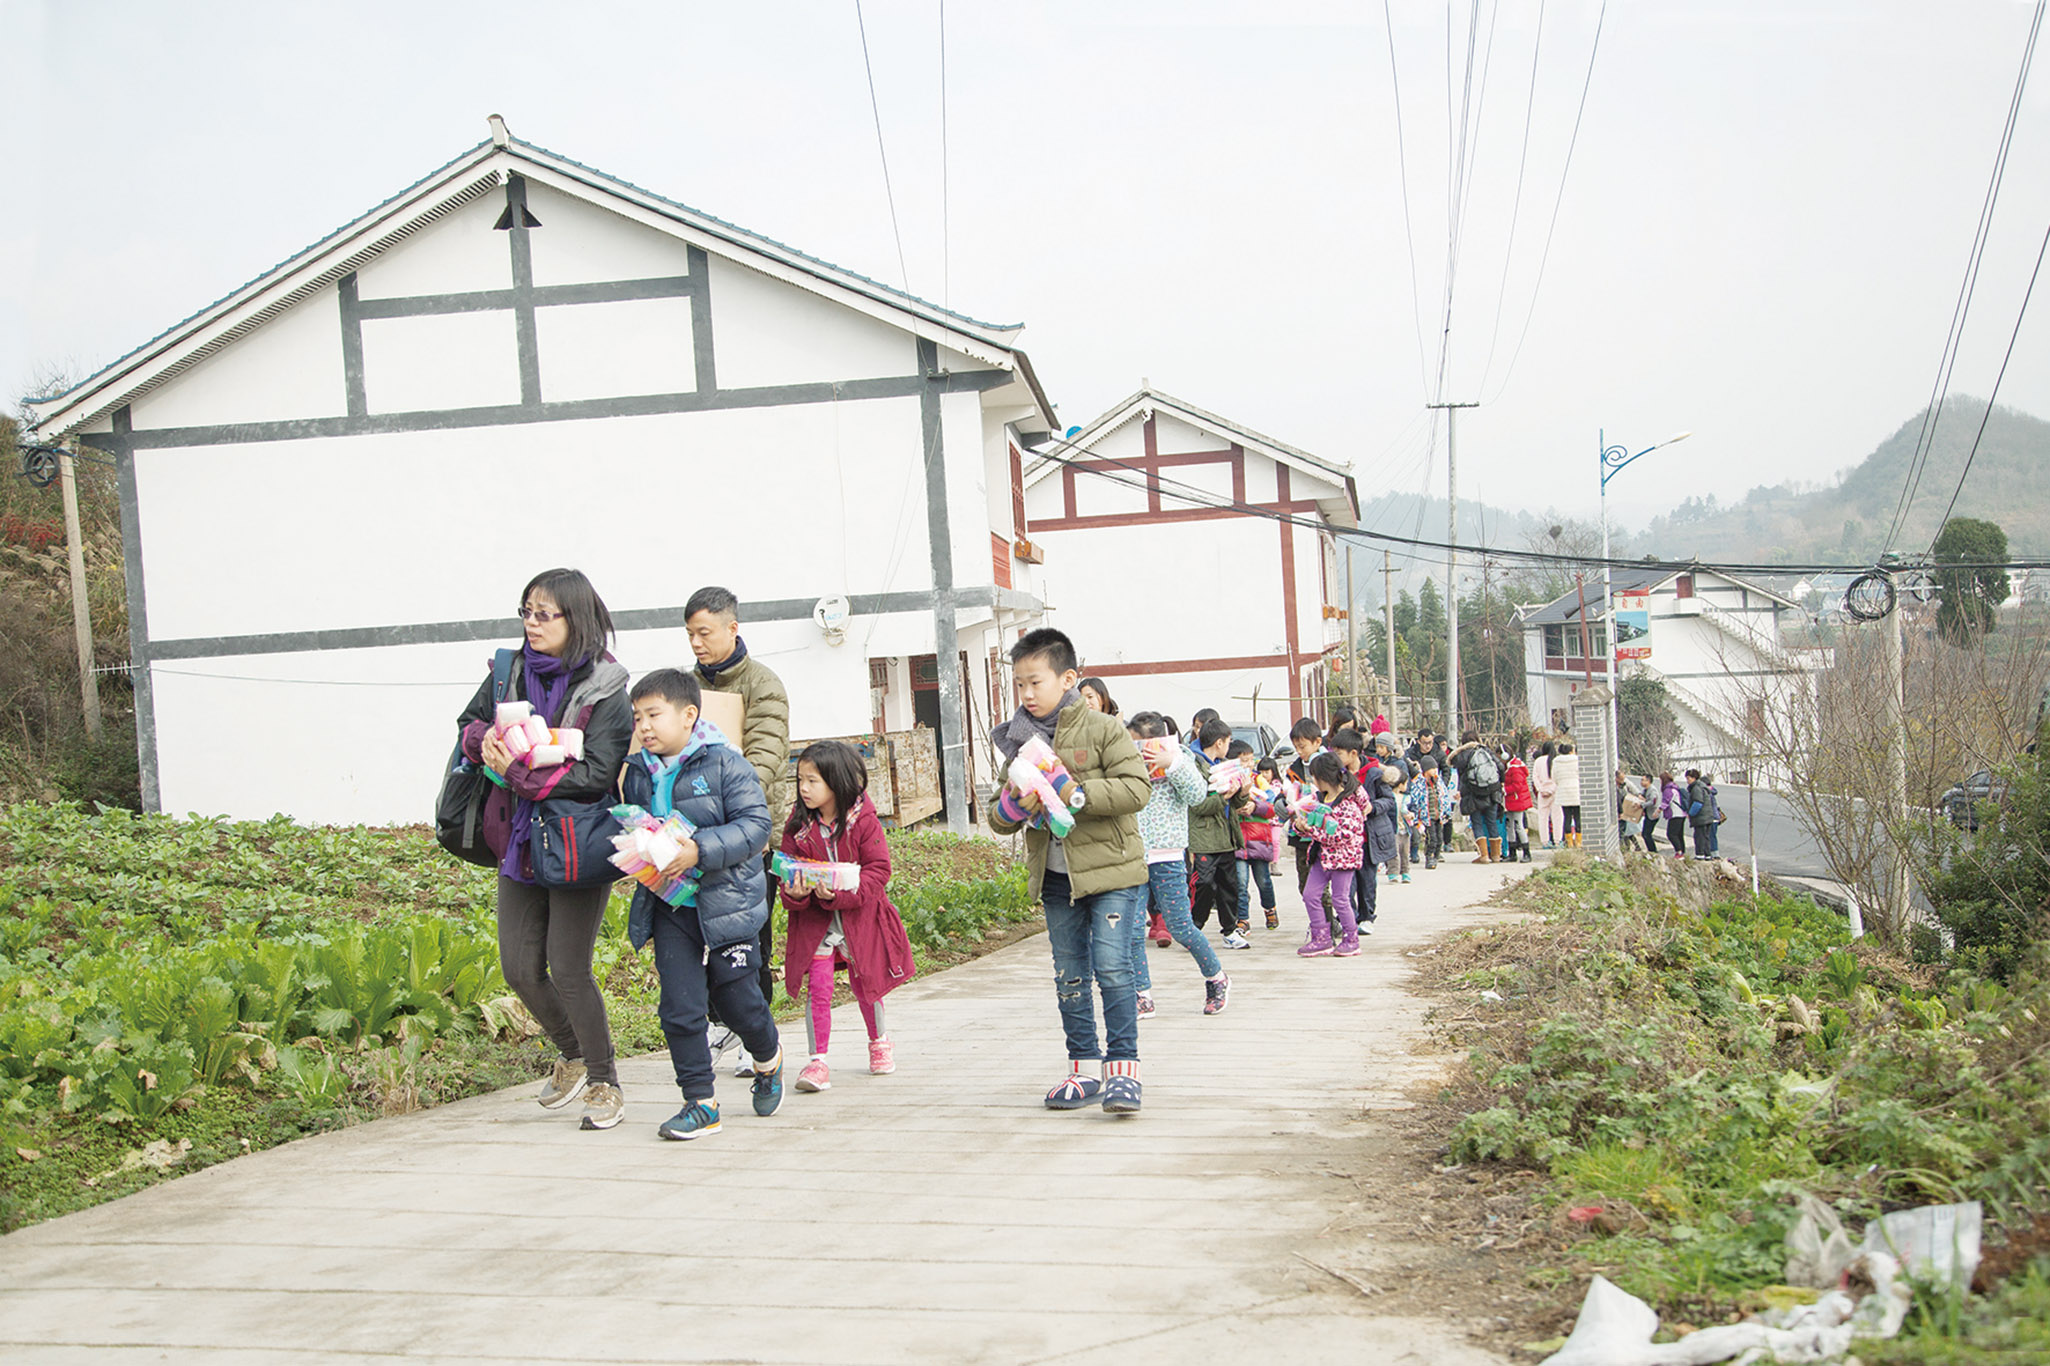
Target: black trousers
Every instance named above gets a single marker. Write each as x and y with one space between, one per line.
1217 884
695 976
766 942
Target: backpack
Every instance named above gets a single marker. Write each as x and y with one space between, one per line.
1483 768
459 812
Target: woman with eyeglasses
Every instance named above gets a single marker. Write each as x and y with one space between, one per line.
546 934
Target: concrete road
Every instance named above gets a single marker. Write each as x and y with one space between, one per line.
940 1214
1783 847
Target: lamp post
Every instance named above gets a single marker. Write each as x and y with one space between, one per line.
1613 460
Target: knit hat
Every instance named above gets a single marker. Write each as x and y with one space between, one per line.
1380 726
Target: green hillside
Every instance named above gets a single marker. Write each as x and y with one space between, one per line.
1847 523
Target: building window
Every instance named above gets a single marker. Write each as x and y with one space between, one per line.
1683 587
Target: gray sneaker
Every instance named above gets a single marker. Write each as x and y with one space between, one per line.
604 1106
564 1085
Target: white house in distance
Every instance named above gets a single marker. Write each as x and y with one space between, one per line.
1708 636
1192 558
336 480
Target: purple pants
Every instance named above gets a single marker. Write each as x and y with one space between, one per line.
1339 880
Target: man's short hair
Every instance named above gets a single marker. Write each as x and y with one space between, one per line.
1347 739
720 602
674 686
1148 725
1237 749
1213 731
1426 734
1048 644
1306 729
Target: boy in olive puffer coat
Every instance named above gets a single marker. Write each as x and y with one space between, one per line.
1090 882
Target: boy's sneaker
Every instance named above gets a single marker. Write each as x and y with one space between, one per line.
604 1106
1273 919
1236 940
768 1088
1145 1005
882 1058
1216 995
1405 876
1074 1092
1121 1096
694 1120
815 1076
743 1065
565 1084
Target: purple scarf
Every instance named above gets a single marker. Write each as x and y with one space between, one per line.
547 687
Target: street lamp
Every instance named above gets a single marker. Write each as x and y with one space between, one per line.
1613 460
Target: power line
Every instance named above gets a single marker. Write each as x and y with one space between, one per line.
1545 256
1925 437
1091 463
1516 205
1416 307
884 152
946 199
1987 416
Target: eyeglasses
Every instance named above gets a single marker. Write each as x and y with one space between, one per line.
537 616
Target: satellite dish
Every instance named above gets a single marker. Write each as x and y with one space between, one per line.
830 616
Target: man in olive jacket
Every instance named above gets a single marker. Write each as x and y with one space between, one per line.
1090 881
712 616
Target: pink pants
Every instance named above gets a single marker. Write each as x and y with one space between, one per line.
1551 819
819 989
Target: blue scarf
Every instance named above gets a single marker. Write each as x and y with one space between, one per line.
547 687
662 770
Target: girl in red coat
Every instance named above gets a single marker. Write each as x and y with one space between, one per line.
859 930
1518 799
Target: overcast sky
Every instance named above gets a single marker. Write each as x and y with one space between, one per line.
1761 239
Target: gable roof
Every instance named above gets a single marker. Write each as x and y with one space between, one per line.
1148 399
1634 579
475 172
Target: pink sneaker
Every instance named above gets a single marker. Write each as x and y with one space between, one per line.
815 1076
882 1058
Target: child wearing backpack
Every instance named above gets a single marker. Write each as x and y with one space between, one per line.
833 821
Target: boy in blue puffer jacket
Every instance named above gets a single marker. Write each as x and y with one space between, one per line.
707 954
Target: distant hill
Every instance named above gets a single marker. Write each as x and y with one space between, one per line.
1846 523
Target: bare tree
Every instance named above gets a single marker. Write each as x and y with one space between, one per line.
1827 735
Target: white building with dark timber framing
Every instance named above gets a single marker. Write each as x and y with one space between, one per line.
1192 559
335 481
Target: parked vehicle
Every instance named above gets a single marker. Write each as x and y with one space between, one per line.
1262 738
1961 800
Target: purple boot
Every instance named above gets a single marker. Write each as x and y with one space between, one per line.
1348 929
1319 945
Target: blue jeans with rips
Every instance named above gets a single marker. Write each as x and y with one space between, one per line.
1092 937
1167 886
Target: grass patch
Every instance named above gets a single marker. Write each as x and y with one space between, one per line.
175 993
1666 1075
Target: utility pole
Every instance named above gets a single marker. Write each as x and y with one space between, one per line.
1352 637
1388 615
1897 765
81 616
1452 562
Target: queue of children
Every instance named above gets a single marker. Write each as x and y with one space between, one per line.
1164 828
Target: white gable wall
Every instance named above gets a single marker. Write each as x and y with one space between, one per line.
283 516
1185 610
